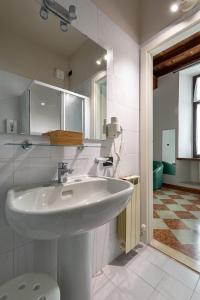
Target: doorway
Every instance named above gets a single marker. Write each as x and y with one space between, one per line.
172 196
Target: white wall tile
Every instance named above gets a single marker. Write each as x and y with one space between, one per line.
20 240
24 259
34 170
108 33
120 90
128 118
129 165
198 287
130 142
195 296
87 11
6 178
6 151
3 220
6 269
6 239
45 257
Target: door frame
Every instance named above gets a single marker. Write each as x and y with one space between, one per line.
160 42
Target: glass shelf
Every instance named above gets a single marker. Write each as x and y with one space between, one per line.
28 145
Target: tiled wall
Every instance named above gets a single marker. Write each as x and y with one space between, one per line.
38 165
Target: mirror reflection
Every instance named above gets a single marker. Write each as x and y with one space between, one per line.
49 79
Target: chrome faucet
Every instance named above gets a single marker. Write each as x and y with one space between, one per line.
62 170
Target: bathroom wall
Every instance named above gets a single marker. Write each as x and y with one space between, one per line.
166 116
10 109
125 14
38 165
165 111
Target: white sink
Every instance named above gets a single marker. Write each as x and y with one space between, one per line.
68 211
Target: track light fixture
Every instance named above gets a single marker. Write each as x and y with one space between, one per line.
63 26
72 12
102 60
65 16
183 5
44 13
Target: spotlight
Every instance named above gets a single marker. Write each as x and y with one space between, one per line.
174 7
51 2
72 12
44 13
65 16
106 57
98 62
63 26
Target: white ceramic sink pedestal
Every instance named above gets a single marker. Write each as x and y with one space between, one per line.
68 212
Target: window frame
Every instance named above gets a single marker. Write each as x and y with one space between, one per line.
195 104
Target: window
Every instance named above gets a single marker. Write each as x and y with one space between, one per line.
196 116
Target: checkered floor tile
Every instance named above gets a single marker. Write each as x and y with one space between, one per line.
177 220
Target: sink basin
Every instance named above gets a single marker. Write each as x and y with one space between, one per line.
77 206
68 212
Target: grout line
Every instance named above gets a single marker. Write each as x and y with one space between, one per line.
198 281
192 295
168 274
154 288
13 264
138 275
147 281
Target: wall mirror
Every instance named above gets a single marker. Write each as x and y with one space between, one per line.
49 79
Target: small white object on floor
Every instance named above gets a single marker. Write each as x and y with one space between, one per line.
30 286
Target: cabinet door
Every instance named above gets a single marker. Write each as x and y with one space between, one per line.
45 109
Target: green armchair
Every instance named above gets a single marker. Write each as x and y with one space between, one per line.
157 174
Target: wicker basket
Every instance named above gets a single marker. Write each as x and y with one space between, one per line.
61 137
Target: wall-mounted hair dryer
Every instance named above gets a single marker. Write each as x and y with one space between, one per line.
113 129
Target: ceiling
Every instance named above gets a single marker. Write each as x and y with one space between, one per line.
141 19
22 17
178 56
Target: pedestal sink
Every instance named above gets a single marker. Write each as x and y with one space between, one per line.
68 212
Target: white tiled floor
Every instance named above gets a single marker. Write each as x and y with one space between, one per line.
150 275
